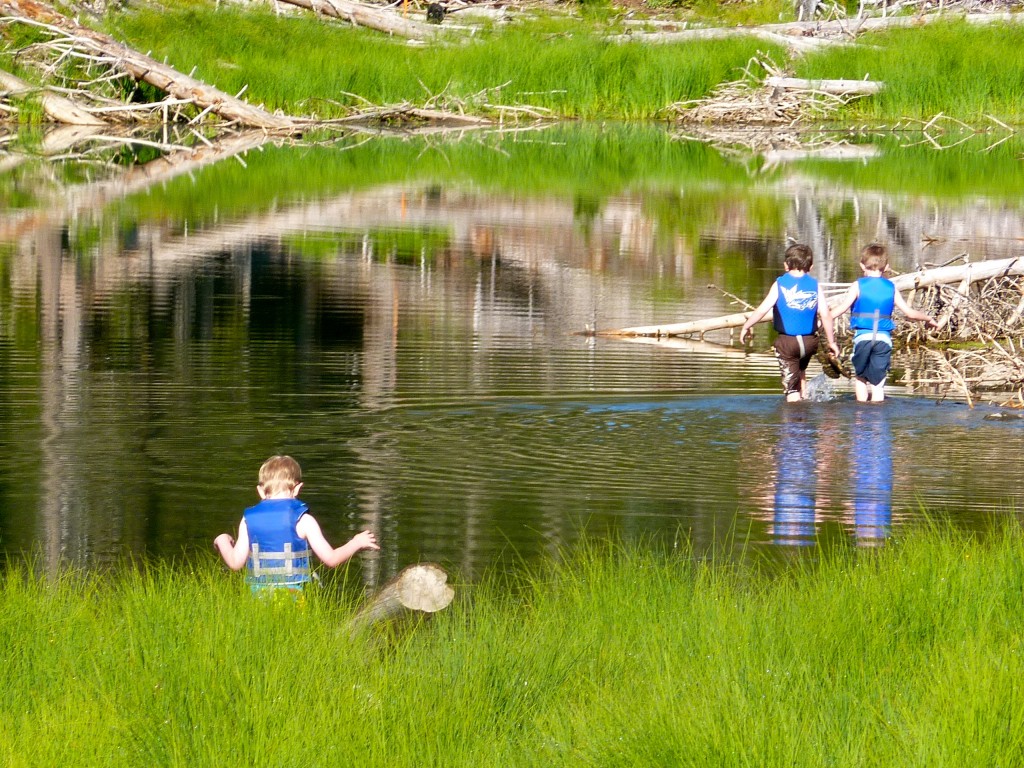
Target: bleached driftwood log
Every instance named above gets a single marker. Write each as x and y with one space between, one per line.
146 69
368 16
964 274
834 87
421 588
56 107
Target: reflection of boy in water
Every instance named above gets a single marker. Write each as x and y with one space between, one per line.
871 300
872 476
796 301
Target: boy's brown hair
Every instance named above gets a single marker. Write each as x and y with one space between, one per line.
280 474
875 256
799 256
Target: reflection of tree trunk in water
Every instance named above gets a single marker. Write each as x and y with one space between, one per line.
60 328
378 372
809 230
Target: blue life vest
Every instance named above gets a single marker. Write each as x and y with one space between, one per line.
872 310
796 310
278 557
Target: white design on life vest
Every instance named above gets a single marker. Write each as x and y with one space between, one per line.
799 300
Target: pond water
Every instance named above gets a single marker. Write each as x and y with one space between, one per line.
405 317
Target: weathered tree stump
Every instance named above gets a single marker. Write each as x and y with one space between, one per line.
416 590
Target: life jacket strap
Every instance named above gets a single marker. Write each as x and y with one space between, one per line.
284 563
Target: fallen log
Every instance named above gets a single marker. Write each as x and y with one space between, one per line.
148 70
417 589
368 16
964 274
833 87
57 108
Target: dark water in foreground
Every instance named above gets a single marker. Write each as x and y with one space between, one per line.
437 391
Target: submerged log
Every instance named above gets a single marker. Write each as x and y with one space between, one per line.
149 70
417 589
963 275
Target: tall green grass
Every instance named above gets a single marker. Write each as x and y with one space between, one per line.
955 68
303 65
617 655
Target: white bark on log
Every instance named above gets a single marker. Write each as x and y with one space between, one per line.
367 16
834 87
803 35
57 108
149 70
419 588
964 274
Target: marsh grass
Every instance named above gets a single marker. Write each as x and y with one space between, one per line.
302 65
955 68
616 655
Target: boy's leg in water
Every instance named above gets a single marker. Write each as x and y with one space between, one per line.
860 388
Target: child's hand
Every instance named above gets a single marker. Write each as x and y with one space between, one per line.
224 541
930 323
365 540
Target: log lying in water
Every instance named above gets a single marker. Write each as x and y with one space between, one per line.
421 588
963 274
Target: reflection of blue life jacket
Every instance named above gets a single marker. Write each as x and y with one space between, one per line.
796 483
872 310
796 311
278 557
872 451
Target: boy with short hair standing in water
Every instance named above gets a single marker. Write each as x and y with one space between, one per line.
797 302
275 537
871 300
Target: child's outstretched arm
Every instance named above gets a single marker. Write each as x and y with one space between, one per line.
827 322
762 309
913 314
235 553
309 529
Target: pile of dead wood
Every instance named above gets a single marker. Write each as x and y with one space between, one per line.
764 95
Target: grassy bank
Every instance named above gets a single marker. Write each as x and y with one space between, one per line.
907 655
302 65
564 66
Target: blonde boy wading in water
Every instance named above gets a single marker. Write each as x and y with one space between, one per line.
797 302
275 536
871 300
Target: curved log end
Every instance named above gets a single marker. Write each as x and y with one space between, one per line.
424 588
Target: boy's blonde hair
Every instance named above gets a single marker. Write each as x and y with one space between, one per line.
875 256
280 474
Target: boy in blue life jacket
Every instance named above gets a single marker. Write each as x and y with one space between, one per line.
276 536
871 300
797 302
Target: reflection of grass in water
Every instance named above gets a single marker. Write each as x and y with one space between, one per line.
298 63
958 69
401 246
596 161
619 655
969 170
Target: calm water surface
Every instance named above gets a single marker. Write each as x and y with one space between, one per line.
416 346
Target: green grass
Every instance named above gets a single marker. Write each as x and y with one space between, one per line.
300 64
618 655
963 70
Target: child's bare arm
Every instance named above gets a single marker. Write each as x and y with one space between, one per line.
913 314
235 553
846 301
762 309
309 529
